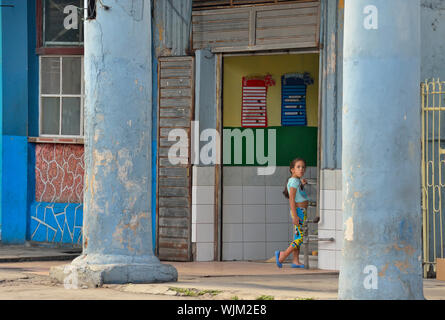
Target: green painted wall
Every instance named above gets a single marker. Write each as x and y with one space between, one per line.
291 143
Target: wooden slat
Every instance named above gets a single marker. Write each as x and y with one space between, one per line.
286 25
176 96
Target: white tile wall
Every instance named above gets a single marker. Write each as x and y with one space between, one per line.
232 176
203 176
338 200
253 213
328 199
251 177
233 213
338 240
203 195
327 220
338 220
277 232
271 247
256 219
338 180
233 195
331 224
193 232
338 259
204 232
232 232
205 251
274 195
254 250
327 259
254 232
277 213
327 245
232 251
278 178
329 179
254 195
203 199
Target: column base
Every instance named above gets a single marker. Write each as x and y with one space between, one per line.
82 274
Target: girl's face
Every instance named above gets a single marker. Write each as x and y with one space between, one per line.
299 169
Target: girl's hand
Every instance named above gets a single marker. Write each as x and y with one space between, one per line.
296 221
303 181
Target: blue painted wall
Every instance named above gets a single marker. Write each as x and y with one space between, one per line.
432 66
331 66
56 222
14 191
33 73
154 138
433 41
381 153
1 115
14 121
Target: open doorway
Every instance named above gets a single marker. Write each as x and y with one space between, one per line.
265 98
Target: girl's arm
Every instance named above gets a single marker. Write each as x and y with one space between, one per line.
293 206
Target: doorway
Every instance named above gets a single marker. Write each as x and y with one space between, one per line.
277 94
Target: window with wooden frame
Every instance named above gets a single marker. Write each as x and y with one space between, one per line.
60 35
60 27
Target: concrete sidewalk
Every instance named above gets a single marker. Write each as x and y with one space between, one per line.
197 281
34 252
28 278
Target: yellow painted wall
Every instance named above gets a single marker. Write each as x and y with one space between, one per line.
235 68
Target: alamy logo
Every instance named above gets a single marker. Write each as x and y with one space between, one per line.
209 153
371 21
71 21
71 280
371 280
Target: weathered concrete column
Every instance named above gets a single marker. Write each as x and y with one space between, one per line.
117 235
381 151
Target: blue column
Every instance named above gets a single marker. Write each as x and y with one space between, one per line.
117 234
382 255
14 120
1 118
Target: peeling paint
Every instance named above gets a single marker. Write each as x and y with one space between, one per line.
408 249
383 272
402 266
134 225
124 164
349 231
102 158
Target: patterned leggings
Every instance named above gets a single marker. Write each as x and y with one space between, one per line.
298 235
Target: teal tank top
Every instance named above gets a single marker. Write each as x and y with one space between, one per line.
301 195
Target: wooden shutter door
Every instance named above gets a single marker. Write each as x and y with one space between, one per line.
174 182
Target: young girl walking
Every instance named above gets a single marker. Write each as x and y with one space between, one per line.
298 201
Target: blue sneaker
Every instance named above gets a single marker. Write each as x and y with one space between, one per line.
277 258
293 265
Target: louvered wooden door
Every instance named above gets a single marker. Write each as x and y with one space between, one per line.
174 181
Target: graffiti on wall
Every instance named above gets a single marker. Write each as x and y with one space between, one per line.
59 173
56 222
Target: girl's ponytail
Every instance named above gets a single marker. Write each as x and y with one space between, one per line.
292 165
